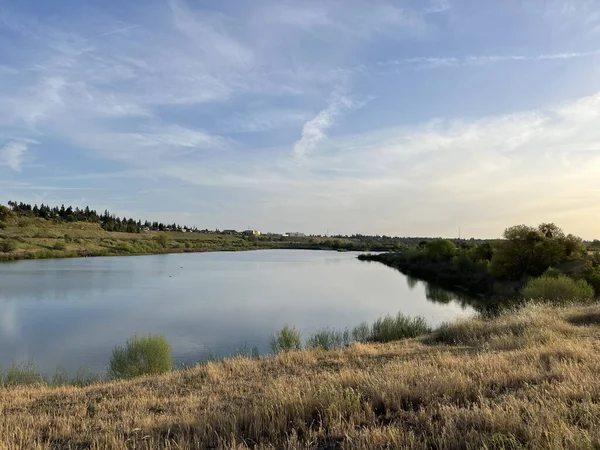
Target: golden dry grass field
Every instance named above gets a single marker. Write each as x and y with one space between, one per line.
528 379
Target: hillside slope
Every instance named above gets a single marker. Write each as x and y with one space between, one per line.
524 380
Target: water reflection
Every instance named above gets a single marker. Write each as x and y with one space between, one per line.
411 282
73 312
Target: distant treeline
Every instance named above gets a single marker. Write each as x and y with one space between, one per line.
107 221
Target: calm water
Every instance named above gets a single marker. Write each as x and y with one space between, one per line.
72 312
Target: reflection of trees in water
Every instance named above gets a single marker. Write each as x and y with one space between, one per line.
438 294
411 282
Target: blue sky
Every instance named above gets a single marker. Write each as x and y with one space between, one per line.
388 117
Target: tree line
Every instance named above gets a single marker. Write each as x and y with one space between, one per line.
106 220
502 266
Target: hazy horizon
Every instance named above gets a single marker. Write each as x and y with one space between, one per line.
401 118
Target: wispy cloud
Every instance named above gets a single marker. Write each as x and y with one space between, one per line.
229 109
433 62
13 155
120 30
314 131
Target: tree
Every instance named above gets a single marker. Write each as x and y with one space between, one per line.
5 213
528 251
441 248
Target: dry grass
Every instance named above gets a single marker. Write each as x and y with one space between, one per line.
526 380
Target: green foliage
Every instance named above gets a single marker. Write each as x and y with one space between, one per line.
388 328
286 339
552 272
85 377
528 251
362 332
22 373
5 213
60 377
329 339
141 355
163 240
59 245
558 289
8 245
441 248
592 276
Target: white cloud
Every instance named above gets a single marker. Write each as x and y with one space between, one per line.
429 62
13 155
314 131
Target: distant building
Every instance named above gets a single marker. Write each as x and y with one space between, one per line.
295 234
251 233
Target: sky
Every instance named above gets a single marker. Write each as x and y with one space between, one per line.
404 118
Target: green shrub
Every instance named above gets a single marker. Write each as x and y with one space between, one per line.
8 245
23 373
141 355
441 248
552 272
388 328
362 332
163 240
60 377
85 377
558 289
328 339
288 338
60 245
592 276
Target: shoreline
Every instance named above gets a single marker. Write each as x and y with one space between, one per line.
476 383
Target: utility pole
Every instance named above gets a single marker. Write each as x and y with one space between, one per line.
459 232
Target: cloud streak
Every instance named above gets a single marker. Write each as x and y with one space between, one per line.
314 131
13 155
432 62
120 30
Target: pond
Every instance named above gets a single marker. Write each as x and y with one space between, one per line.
72 312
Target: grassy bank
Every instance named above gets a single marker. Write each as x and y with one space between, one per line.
522 380
37 238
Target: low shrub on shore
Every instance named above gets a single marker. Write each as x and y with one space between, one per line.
141 355
558 288
388 328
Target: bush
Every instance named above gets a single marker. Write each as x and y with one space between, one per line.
59 245
163 240
441 248
141 355
23 373
388 328
7 246
551 272
85 377
362 332
288 338
558 289
60 377
328 339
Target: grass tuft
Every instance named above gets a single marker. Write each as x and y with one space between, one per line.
388 328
